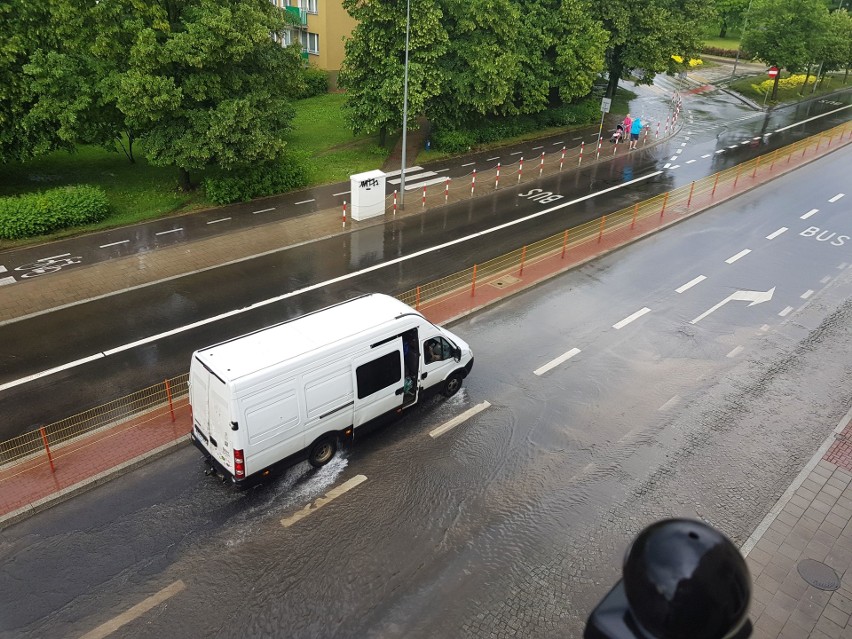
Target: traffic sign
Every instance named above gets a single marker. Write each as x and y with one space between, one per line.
773 71
605 104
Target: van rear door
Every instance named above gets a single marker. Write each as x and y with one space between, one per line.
198 400
378 381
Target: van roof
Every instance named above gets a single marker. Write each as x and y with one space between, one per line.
266 347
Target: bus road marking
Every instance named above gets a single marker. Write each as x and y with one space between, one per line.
106 629
319 502
455 421
556 362
630 318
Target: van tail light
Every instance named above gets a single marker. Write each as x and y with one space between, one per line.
239 465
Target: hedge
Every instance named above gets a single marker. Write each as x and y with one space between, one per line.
726 53
288 173
315 82
496 129
39 213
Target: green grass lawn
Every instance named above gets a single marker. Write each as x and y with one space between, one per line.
723 43
755 87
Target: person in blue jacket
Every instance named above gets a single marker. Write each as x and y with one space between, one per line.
635 130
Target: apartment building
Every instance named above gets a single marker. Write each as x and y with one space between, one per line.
323 26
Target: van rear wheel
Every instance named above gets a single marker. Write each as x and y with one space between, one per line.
452 385
322 452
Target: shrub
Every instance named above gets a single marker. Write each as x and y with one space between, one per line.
34 214
452 140
726 53
286 174
315 82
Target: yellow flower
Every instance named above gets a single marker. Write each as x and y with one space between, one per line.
677 59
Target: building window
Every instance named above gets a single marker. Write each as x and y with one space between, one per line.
308 5
310 42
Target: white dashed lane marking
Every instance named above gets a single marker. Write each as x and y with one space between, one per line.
330 496
673 401
837 197
775 234
808 214
167 232
735 352
263 211
111 626
691 283
734 258
306 201
807 294
706 155
556 362
470 412
630 318
221 219
786 311
114 243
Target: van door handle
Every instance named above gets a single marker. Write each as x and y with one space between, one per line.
423 376
400 391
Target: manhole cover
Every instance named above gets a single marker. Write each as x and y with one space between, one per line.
506 280
818 574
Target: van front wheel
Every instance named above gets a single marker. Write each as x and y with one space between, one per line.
452 385
322 452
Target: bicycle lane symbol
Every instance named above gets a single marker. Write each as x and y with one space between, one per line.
47 265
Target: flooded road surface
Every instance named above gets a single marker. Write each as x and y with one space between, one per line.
516 520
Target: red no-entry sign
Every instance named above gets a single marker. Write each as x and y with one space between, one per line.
773 71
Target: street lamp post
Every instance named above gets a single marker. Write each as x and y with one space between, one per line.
404 107
745 26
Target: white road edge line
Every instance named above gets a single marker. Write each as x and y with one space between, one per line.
284 296
319 502
114 244
837 197
106 629
734 258
630 318
736 351
808 214
455 421
690 284
556 362
775 234
821 115
764 525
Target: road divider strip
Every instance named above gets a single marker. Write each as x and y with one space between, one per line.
318 503
455 421
556 362
106 629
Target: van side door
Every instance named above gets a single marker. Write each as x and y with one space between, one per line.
438 361
379 382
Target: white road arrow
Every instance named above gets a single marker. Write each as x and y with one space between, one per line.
755 297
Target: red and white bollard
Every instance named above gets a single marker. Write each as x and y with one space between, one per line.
541 166
562 159
394 201
598 153
424 197
473 183
645 137
344 212
497 179
446 190
582 144
520 169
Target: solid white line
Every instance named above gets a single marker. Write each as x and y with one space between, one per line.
556 362
808 214
764 525
306 201
263 211
53 257
807 294
825 280
318 503
786 311
821 115
7 280
691 283
775 234
294 293
674 399
221 219
706 155
106 629
735 352
114 244
455 421
630 318
167 232
734 258
341 193
837 197
469 164
690 161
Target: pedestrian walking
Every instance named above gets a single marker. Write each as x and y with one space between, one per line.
635 130
628 122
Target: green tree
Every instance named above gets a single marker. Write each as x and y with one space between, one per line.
730 13
644 36
373 69
785 33
26 29
836 47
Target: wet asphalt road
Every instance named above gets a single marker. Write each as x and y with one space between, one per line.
515 521
703 146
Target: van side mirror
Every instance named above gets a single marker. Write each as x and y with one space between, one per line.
457 354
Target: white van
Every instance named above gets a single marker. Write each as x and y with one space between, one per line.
294 391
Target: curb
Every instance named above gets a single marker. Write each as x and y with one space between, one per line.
87 484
